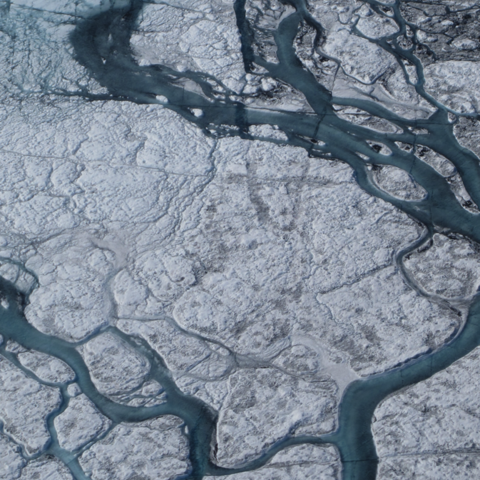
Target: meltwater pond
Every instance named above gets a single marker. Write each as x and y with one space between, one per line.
224 194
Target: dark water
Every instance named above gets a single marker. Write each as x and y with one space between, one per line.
102 45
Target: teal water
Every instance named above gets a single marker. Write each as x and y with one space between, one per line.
102 45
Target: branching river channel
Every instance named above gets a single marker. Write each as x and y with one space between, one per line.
101 44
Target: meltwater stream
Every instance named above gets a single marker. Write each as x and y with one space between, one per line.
102 45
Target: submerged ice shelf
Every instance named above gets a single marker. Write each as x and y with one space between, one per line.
239 239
